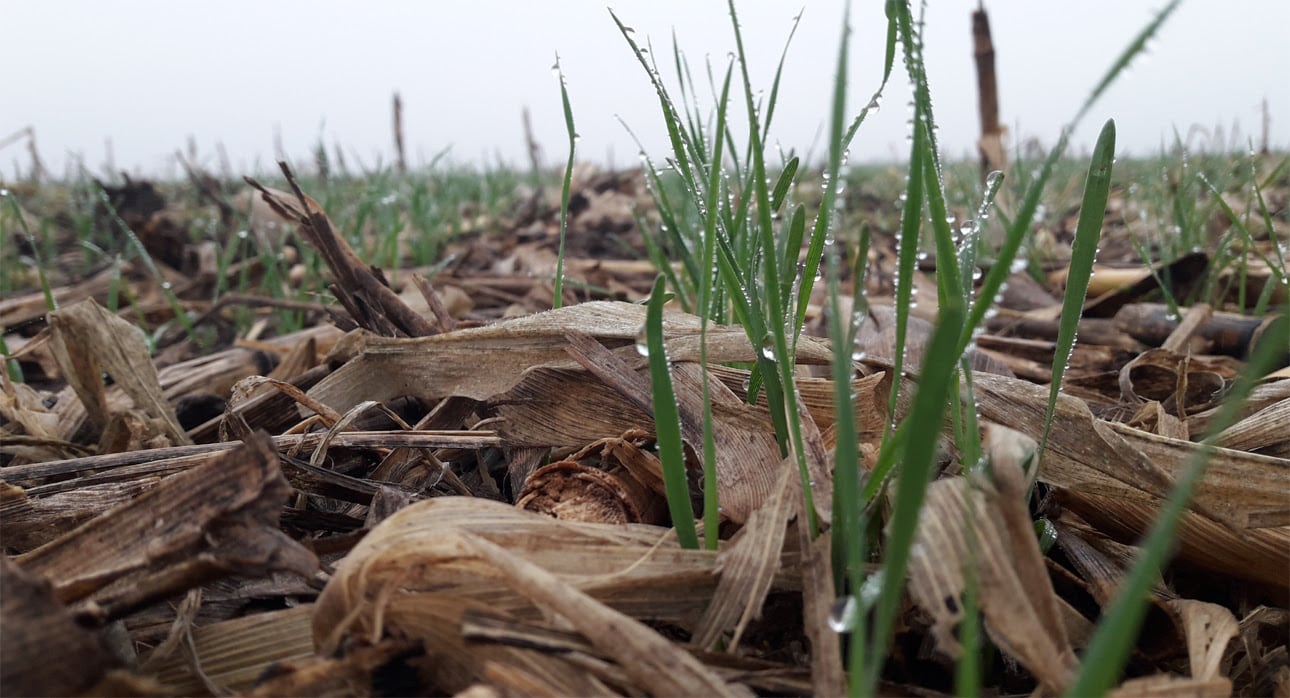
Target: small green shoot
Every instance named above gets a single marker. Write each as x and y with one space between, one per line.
166 292
1088 233
558 300
50 303
667 422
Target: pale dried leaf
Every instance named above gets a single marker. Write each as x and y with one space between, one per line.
1208 628
1087 454
87 341
643 654
748 565
988 529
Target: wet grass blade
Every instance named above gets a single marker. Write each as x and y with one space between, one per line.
36 248
1088 232
823 227
934 387
1135 47
847 507
794 229
777 351
667 422
1108 651
673 228
558 300
683 149
711 519
969 245
907 254
947 264
784 183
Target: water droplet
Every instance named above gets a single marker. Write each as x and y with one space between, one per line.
768 347
844 614
870 590
642 343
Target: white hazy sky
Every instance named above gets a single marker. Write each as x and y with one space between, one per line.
149 74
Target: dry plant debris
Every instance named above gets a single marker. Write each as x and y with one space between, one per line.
440 488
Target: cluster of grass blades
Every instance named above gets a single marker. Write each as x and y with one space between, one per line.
748 259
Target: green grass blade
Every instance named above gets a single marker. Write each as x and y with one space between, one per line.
711 505
969 245
1135 47
169 295
1240 228
848 531
934 386
846 453
672 239
889 60
777 351
907 253
564 190
667 423
783 184
947 264
832 176
689 98
1088 232
50 303
1279 266
968 668
13 367
795 228
1109 649
682 148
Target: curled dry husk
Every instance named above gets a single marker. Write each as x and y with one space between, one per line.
422 569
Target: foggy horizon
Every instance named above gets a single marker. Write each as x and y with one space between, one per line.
146 77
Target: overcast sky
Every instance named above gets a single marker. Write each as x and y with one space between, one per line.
148 75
